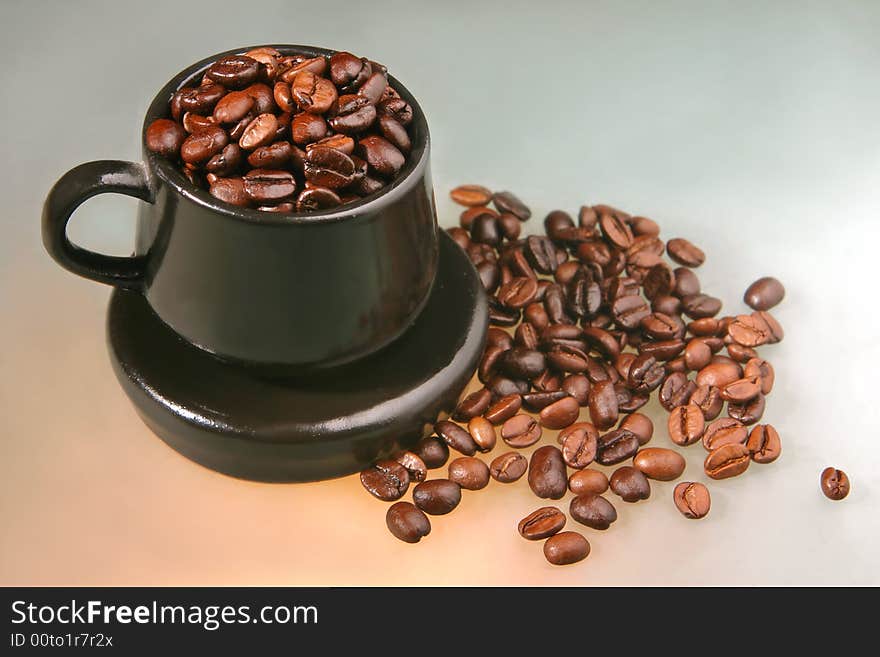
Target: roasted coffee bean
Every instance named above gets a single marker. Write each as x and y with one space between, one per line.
382 156
686 424
200 100
502 316
503 409
603 404
697 354
629 401
555 223
468 472
471 195
348 71
659 463
666 304
676 390
566 548
578 387
697 306
749 330
579 444
483 433
273 156
433 451
640 425
536 401
407 522
835 483
354 115
509 226
234 71
165 137
230 190
630 484
616 446
554 304
328 167
567 358
660 326
764 444
704 327
727 461
742 390
542 523
645 373
592 510
774 328
583 295
281 207
195 122
547 475
685 253
437 497
414 465
536 315
508 202
588 481
499 337
664 350
501 386
547 382
269 186
522 363
764 293
687 284
317 198
719 374
692 499
724 431
757 367
521 431
541 254
489 363
739 353
485 230
508 467
474 404
519 292
259 132
489 275
747 412
629 311
456 437
616 231
233 107
645 226
715 345
386 479
200 147
708 399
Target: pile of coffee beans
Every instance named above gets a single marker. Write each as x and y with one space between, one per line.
287 133
586 322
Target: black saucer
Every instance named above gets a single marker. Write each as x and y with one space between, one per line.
244 423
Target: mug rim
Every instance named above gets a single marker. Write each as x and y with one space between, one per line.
412 172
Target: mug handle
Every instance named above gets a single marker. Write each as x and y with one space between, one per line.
71 190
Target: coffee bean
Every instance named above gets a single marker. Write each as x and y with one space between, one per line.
764 444
497 337
629 311
592 510
508 467
483 433
437 497
708 399
661 326
508 202
560 413
456 437
566 548
579 444
386 479
521 431
468 472
354 115
676 390
234 71
719 374
230 190
603 404
835 483
519 292
742 390
749 331
407 522
328 167
165 137
697 354
541 254
500 386
317 198
503 409
200 147
740 353
692 499
659 463
666 304
269 186
664 350
724 431
259 132
473 405
615 230
764 293
578 387
471 195
697 306
348 71
645 373
537 401
233 107
433 451
414 465
727 461
547 475
761 369
630 484
640 425
616 446
308 128
273 156
542 523
747 412
685 253
382 156
200 100
686 424
588 481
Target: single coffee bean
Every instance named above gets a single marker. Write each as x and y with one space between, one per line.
686 424
407 522
761 369
504 409
659 463
317 198
373 87
727 461
328 167
566 548
616 446
547 475
697 306
521 431
645 226
645 373
724 431
537 401
666 304
200 147
749 331
628 311
313 93
200 100
501 386
354 115
659 280
348 71
704 327
835 483
640 425
748 412
165 137
661 326
486 230
383 157
588 481
195 122
697 354
471 195
542 523
603 405
468 472
483 433
578 387
233 107
742 390
499 338
519 292
592 510
273 156
630 484
234 71
764 293
522 363
719 374
476 403
230 190
739 353
774 328
489 274
692 499
508 467
268 185
456 437
541 254
386 479
579 444
508 202
708 399
664 350
764 444
685 253
676 390
414 465
560 413
437 497
308 128
616 231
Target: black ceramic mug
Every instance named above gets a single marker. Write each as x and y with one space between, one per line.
299 289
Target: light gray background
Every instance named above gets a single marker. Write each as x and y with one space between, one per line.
749 127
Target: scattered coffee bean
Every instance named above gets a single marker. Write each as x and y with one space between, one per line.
469 473
508 467
727 461
686 424
685 253
542 523
566 548
579 444
560 413
616 446
437 497
521 431
630 484
414 465
692 499
433 451
724 431
456 437
835 483
588 481
592 510
764 293
483 433
386 479
407 522
471 195
503 409
747 412
659 463
547 474
473 405
764 444
640 425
